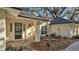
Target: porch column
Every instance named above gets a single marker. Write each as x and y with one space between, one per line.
37 31
23 31
13 32
48 28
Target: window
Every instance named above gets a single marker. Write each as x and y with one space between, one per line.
44 29
10 27
18 31
18 27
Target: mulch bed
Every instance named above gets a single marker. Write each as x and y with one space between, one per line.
44 45
18 45
52 45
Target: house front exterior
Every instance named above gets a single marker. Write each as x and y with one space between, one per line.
14 27
20 28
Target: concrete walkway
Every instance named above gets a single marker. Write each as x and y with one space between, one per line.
73 47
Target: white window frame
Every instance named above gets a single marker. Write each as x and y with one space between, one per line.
44 30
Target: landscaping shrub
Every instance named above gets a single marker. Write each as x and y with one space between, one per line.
53 35
75 37
48 45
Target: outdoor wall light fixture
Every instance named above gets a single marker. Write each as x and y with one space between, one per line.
29 25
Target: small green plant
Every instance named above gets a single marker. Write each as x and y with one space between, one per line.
75 37
10 48
48 45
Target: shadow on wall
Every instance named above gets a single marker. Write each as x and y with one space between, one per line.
30 31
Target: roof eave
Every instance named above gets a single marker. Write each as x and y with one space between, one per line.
33 18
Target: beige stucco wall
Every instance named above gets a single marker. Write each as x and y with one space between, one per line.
67 30
61 29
